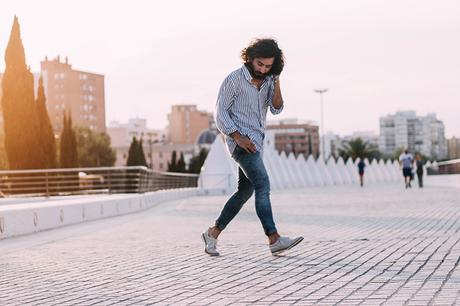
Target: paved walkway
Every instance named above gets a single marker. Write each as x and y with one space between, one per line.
379 244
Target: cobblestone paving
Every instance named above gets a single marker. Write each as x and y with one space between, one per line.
369 246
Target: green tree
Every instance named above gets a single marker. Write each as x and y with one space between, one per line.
47 140
142 160
356 147
197 161
172 165
132 153
136 156
397 153
68 146
21 125
180 167
73 143
94 149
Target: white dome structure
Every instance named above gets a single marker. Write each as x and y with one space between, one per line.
219 173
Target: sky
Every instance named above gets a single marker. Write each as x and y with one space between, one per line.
375 57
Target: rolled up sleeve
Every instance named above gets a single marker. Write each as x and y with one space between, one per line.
273 109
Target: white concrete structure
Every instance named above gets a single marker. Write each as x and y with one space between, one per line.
27 216
219 174
312 167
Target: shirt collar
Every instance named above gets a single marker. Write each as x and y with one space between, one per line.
246 73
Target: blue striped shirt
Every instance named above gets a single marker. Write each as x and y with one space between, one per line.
242 107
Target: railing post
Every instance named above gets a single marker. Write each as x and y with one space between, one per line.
139 181
109 178
47 193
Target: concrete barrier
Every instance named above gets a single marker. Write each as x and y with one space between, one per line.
30 217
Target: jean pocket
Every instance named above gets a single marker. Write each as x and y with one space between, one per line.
238 152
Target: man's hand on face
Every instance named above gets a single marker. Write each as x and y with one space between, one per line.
244 142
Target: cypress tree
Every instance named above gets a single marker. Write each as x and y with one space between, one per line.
141 154
132 153
22 142
197 162
136 156
64 144
73 144
172 165
181 163
47 140
68 148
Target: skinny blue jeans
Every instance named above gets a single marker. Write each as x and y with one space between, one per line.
252 177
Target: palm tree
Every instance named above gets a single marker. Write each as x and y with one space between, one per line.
357 147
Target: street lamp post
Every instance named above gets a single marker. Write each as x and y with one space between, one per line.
321 91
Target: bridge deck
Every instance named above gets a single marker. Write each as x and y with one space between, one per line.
371 245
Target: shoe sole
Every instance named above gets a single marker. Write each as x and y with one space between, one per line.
206 251
296 242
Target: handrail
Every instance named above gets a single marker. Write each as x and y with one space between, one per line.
445 167
69 181
449 162
76 169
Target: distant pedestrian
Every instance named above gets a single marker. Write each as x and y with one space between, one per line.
405 160
419 169
361 166
244 98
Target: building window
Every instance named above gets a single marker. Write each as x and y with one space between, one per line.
86 107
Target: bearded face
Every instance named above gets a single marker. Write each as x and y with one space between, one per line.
259 68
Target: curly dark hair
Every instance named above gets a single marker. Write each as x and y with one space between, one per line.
264 48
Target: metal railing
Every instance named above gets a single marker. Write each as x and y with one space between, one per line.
445 167
106 180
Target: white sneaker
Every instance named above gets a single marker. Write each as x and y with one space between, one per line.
210 244
283 244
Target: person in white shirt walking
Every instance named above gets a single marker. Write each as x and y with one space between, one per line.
244 98
406 160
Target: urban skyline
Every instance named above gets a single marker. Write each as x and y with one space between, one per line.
375 58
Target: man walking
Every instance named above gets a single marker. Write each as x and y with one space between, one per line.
406 161
244 98
361 166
